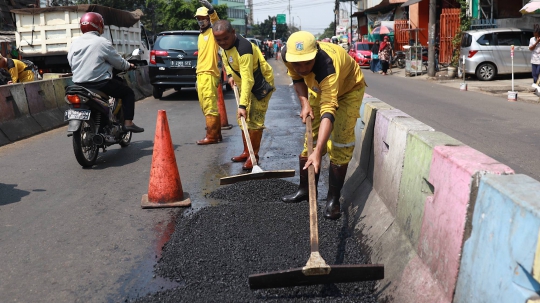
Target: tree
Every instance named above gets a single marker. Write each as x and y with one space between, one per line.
328 32
264 29
161 15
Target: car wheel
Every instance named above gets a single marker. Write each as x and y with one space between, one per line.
157 92
486 72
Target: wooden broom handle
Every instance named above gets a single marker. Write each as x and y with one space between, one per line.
245 129
313 223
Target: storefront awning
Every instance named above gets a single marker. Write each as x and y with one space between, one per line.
384 6
410 2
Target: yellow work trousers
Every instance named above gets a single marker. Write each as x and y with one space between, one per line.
340 146
207 86
256 111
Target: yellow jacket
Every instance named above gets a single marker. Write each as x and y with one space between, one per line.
207 61
18 72
334 74
244 58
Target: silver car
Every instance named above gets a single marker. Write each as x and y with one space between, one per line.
487 51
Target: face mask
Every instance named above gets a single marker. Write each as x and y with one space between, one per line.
203 23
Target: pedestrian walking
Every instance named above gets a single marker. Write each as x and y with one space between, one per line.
374 64
208 75
276 50
246 68
385 53
325 78
535 57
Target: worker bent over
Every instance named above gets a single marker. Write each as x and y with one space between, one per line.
246 68
325 79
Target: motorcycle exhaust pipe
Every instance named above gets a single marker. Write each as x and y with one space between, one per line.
98 139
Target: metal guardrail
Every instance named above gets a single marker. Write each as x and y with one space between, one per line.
483 23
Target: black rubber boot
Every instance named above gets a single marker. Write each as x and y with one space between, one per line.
303 189
336 177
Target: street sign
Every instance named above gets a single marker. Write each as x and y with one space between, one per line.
512 51
280 18
274 22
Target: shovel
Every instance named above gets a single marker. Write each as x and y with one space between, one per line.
256 173
316 270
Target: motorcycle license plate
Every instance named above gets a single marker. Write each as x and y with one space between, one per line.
81 114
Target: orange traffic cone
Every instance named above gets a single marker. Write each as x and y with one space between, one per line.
165 188
221 107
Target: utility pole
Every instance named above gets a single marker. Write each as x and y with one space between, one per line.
250 17
431 38
290 14
350 24
336 11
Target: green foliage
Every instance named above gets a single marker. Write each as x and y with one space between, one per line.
161 15
328 32
264 29
465 24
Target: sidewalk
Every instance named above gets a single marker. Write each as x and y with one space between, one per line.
498 87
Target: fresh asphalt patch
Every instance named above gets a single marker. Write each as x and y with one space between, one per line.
213 251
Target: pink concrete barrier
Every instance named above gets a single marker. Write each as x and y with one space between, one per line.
455 175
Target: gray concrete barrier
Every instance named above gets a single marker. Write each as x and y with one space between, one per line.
30 108
15 119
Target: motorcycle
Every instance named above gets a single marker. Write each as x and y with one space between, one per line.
95 121
399 59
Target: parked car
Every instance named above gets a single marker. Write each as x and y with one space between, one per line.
173 61
487 52
263 47
361 52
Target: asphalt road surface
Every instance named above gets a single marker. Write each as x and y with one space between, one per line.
509 132
79 235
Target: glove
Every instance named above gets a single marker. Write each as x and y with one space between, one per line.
207 4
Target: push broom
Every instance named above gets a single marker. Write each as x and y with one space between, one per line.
256 173
316 270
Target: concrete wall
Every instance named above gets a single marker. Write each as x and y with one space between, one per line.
30 108
449 223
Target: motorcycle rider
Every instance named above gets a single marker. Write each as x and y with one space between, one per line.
92 59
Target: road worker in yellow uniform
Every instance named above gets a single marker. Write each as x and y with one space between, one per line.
208 77
330 86
19 71
246 68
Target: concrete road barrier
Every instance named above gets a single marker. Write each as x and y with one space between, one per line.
501 259
131 80
389 141
410 193
15 120
42 103
30 108
60 92
143 81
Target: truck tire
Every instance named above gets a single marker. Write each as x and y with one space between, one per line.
157 92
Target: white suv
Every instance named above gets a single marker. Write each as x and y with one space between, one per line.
487 52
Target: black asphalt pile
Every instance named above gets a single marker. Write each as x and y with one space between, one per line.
213 251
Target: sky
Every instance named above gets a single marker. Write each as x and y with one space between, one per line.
309 15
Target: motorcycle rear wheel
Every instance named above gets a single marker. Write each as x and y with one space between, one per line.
85 150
